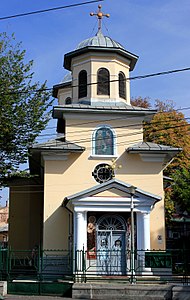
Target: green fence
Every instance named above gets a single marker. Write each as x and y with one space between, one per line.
54 271
39 272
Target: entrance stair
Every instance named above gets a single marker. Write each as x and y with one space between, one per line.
112 291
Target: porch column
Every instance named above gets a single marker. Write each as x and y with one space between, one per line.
146 230
80 225
143 239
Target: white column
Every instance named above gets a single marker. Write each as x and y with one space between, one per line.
143 239
146 230
80 225
139 230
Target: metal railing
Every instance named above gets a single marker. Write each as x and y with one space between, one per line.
149 266
37 265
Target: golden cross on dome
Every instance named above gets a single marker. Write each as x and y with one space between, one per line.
100 15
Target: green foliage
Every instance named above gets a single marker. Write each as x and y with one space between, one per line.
181 189
24 112
169 127
169 204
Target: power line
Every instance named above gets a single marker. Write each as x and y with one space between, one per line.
116 127
106 81
116 118
48 9
139 132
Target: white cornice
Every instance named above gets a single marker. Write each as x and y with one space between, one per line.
152 157
54 156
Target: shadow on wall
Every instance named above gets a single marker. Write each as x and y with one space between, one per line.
61 166
57 229
133 164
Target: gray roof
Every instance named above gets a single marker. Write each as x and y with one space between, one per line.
100 43
58 144
113 183
99 40
102 109
152 147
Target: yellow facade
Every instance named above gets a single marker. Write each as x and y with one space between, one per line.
41 214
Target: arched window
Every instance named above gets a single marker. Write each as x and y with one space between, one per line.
122 85
68 100
103 82
82 80
103 141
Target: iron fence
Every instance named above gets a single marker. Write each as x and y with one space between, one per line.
58 265
148 266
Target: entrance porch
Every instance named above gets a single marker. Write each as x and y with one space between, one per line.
103 220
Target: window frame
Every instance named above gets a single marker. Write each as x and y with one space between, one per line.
103 82
122 85
82 84
114 154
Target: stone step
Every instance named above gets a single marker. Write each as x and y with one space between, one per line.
121 291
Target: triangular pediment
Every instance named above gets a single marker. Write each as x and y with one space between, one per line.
112 192
109 194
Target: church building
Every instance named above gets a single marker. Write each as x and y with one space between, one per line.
97 186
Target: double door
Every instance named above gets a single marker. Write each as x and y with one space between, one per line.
111 246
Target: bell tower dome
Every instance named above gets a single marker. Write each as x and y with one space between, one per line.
99 68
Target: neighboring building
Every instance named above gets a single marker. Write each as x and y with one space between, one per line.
81 195
4 215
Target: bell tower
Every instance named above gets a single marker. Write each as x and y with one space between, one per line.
99 69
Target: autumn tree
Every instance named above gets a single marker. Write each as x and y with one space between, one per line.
24 106
169 127
141 102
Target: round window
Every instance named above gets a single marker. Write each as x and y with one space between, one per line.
103 173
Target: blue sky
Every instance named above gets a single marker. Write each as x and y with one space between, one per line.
157 31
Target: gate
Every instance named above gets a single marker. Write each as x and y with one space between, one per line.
39 272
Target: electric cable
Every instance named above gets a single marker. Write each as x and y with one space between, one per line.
118 127
48 10
113 80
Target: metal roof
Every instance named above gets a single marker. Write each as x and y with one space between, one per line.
102 109
99 40
58 144
113 183
152 147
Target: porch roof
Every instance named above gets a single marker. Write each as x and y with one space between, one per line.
113 183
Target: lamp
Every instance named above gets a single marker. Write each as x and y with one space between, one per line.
132 190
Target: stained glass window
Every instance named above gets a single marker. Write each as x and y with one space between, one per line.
104 141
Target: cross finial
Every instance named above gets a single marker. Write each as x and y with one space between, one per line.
100 15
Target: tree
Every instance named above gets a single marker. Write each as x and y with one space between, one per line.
169 127
24 106
141 102
181 189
